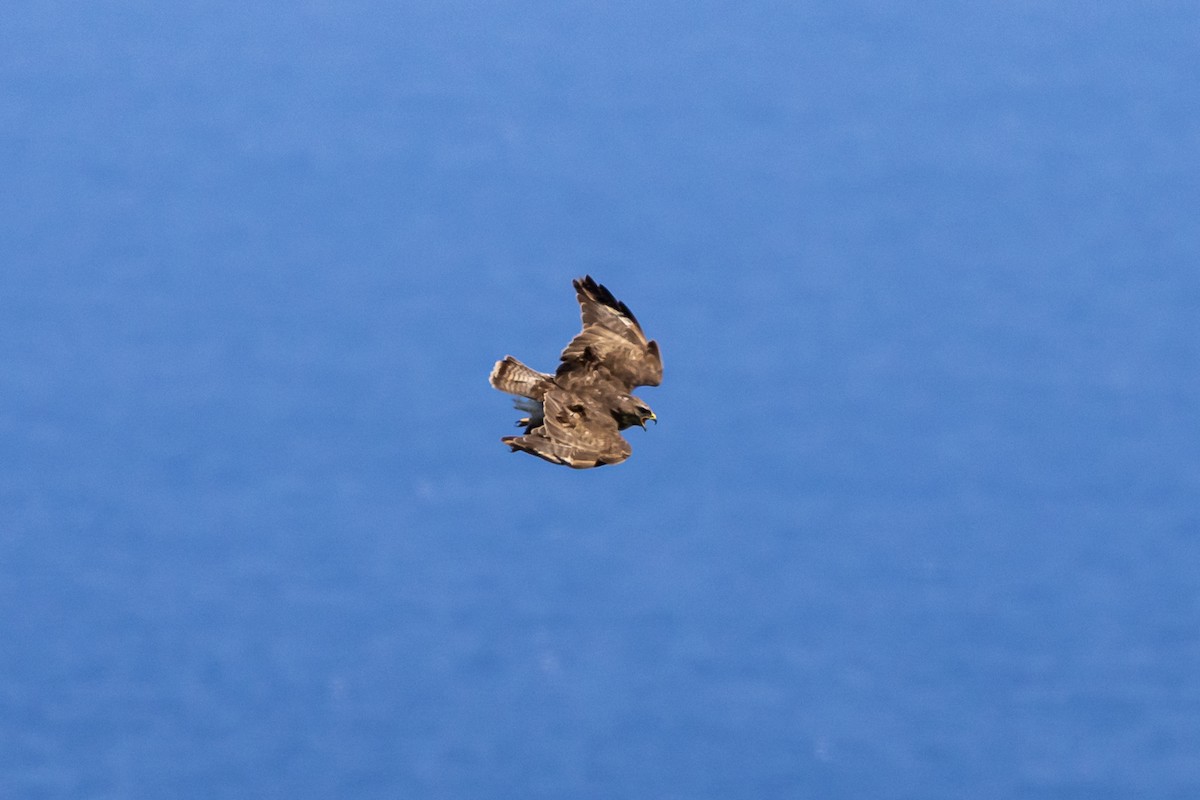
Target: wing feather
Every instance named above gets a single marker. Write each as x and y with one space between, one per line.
612 337
574 432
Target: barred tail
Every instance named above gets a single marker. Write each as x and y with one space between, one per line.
514 377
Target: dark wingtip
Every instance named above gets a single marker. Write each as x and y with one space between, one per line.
599 293
587 287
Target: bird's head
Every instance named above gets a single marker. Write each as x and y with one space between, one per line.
630 411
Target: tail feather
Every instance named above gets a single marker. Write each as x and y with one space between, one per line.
510 375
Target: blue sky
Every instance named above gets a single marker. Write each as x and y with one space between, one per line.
919 515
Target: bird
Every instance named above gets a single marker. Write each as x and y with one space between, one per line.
575 415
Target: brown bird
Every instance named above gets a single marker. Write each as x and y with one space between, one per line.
576 414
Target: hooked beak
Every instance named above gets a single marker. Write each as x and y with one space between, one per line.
652 418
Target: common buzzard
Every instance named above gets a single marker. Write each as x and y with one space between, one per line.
576 414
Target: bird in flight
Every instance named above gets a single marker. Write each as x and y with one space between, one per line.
576 415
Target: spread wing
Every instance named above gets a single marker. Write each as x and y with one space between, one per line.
614 338
575 433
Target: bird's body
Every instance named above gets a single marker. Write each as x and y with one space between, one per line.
576 414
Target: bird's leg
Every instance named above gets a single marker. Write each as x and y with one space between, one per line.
534 409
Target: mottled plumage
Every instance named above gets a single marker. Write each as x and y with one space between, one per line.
576 414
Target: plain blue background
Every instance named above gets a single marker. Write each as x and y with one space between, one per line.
921 518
